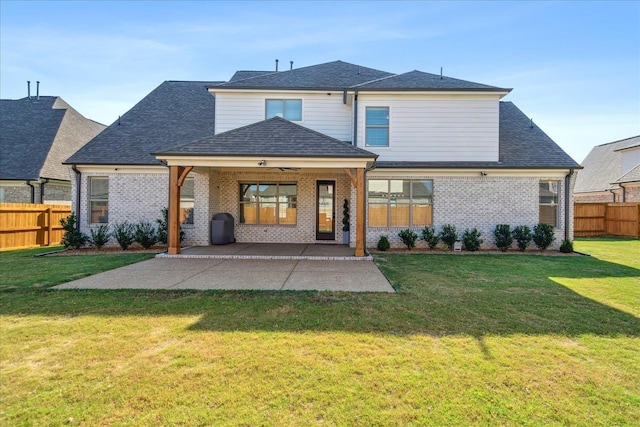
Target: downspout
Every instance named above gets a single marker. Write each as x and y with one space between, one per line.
567 181
33 191
355 118
624 193
42 183
78 193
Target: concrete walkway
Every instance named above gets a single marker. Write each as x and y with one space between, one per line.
240 274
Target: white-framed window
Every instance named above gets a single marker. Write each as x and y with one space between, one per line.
290 109
268 203
98 200
548 200
377 126
399 202
187 201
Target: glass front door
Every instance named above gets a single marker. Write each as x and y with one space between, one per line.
325 210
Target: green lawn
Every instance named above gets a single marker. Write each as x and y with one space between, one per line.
482 339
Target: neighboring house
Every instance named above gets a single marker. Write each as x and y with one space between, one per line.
611 173
281 151
36 135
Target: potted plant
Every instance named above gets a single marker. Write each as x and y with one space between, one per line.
345 222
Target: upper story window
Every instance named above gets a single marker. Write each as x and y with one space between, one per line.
548 200
377 127
98 200
290 109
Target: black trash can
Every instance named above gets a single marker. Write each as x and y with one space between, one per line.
222 229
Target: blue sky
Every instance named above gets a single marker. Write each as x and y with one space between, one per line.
574 66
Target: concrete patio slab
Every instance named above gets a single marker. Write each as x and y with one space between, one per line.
240 274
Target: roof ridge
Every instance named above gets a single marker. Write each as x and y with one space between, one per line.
377 80
620 140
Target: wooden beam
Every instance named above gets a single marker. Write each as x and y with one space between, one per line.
183 174
353 178
175 172
360 208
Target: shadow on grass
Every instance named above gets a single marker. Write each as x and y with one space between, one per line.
438 295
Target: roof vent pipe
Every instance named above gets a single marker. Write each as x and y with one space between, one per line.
38 90
276 65
291 65
440 73
530 123
29 89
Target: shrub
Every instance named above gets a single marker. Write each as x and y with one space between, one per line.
72 237
449 235
543 236
146 234
523 236
471 239
566 246
100 236
346 225
163 227
503 237
383 243
430 236
408 237
124 232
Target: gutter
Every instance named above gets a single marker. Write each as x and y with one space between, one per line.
78 193
355 118
42 183
567 180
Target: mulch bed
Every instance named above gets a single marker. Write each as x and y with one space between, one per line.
548 252
89 250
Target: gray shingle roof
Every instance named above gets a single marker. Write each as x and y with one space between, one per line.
246 74
416 80
632 176
336 75
172 114
603 166
520 147
36 135
272 137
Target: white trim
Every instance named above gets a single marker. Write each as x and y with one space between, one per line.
110 169
270 162
421 172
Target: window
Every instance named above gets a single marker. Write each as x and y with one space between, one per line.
377 127
186 201
549 202
268 203
399 202
98 200
290 109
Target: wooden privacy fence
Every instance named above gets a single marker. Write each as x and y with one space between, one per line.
27 225
612 219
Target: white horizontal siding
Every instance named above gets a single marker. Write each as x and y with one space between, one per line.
435 127
321 112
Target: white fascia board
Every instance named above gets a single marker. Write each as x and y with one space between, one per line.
541 173
122 169
270 162
435 93
214 90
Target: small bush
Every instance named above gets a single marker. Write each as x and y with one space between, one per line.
146 234
471 239
503 237
566 246
72 237
408 237
543 236
124 232
346 224
430 236
523 236
100 236
163 227
449 235
383 243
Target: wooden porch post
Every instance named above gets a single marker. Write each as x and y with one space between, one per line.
177 175
360 207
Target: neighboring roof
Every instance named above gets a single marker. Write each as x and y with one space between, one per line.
603 166
172 114
417 80
520 146
275 137
37 134
335 75
245 74
632 176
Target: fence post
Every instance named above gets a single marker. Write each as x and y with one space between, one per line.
49 227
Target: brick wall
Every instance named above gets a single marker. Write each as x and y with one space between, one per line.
480 202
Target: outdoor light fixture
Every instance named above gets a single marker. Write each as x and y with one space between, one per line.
262 163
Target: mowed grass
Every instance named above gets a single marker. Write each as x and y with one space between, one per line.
466 340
